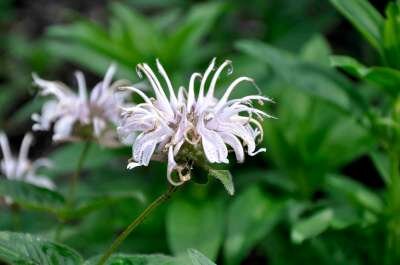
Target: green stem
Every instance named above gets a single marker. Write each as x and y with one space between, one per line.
75 176
162 198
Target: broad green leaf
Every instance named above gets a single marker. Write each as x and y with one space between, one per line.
195 225
311 226
225 177
316 50
384 77
66 157
251 217
364 17
87 204
18 248
137 259
355 192
31 196
198 258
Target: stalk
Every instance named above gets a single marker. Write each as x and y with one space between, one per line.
117 242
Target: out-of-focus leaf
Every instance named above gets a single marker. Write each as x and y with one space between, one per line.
198 258
25 112
143 37
225 177
89 58
126 259
391 32
384 77
364 17
30 196
65 159
312 78
311 226
251 216
316 50
18 248
88 204
382 163
355 192
198 225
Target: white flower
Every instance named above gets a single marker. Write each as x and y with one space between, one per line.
80 115
183 128
21 168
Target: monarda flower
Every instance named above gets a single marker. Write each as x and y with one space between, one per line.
81 116
185 130
20 167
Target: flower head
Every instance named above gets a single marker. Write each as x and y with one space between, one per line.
77 116
184 129
20 167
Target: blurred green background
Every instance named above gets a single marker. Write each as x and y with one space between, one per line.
316 195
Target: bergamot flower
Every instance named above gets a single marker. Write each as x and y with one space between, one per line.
81 116
20 167
184 130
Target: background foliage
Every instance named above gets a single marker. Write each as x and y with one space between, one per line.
327 189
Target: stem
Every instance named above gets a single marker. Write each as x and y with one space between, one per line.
162 198
75 176
393 256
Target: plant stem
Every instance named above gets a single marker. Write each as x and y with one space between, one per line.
75 176
162 198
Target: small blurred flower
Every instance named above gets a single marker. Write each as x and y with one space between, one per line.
183 129
79 116
21 168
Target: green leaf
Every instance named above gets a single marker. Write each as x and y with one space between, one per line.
364 17
87 204
316 50
31 196
195 225
126 259
384 77
355 192
66 158
311 78
143 36
391 32
18 248
225 177
311 226
382 164
251 217
198 258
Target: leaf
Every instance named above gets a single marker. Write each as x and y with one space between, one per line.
198 258
391 39
311 78
251 217
311 226
316 50
225 177
88 204
355 192
197 226
382 164
31 196
66 158
18 248
126 259
364 17
384 77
